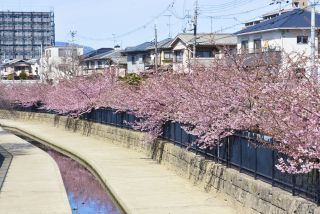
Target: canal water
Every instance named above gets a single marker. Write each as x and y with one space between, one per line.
85 193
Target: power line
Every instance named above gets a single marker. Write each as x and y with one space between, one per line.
225 6
243 12
133 30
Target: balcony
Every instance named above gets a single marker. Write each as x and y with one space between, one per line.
265 56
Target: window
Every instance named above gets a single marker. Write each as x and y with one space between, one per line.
91 64
48 53
302 39
167 55
204 54
100 65
178 56
133 59
67 52
245 45
257 44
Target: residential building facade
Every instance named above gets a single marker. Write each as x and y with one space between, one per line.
287 33
24 34
58 62
12 69
208 48
139 58
103 62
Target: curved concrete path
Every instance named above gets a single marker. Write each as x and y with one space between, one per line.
33 183
138 183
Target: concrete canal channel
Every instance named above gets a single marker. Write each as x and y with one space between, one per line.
86 193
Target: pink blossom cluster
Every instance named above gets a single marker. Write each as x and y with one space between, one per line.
212 102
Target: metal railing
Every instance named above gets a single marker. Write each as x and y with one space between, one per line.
241 151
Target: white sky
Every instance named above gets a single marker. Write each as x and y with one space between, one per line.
97 20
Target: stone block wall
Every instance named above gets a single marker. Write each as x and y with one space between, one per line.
250 195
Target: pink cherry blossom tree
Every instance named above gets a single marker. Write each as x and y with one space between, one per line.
236 93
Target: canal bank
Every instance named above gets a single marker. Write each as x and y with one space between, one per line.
86 193
137 182
33 183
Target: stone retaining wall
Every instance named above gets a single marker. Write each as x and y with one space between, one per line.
250 194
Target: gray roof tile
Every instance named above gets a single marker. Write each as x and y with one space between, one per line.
298 18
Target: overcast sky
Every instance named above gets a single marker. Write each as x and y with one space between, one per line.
131 22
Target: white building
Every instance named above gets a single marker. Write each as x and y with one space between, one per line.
288 33
58 62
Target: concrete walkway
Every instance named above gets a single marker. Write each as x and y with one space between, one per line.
138 183
33 183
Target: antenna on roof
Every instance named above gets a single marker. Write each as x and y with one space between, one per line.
279 2
73 34
299 3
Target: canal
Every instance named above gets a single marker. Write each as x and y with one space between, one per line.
85 193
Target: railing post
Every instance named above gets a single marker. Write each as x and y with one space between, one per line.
240 164
293 185
218 151
181 140
228 152
318 188
255 161
273 169
174 133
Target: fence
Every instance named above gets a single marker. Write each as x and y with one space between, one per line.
240 151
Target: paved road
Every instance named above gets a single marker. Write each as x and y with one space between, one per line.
139 183
33 183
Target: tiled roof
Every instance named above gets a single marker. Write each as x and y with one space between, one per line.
208 39
298 18
164 44
14 61
97 52
114 55
139 48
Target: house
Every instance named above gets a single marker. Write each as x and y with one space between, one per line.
209 47
104 61
138 58
61 61
20 69
295 4
288 32
165 56
97 52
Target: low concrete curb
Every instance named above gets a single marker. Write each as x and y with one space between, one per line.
4 167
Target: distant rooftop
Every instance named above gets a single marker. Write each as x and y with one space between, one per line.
208 38
294 19
97 52
139 48
114 55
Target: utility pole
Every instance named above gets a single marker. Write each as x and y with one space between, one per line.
169 24
314 70
156 48
41 60
195 26
211 23
73 34
114 39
